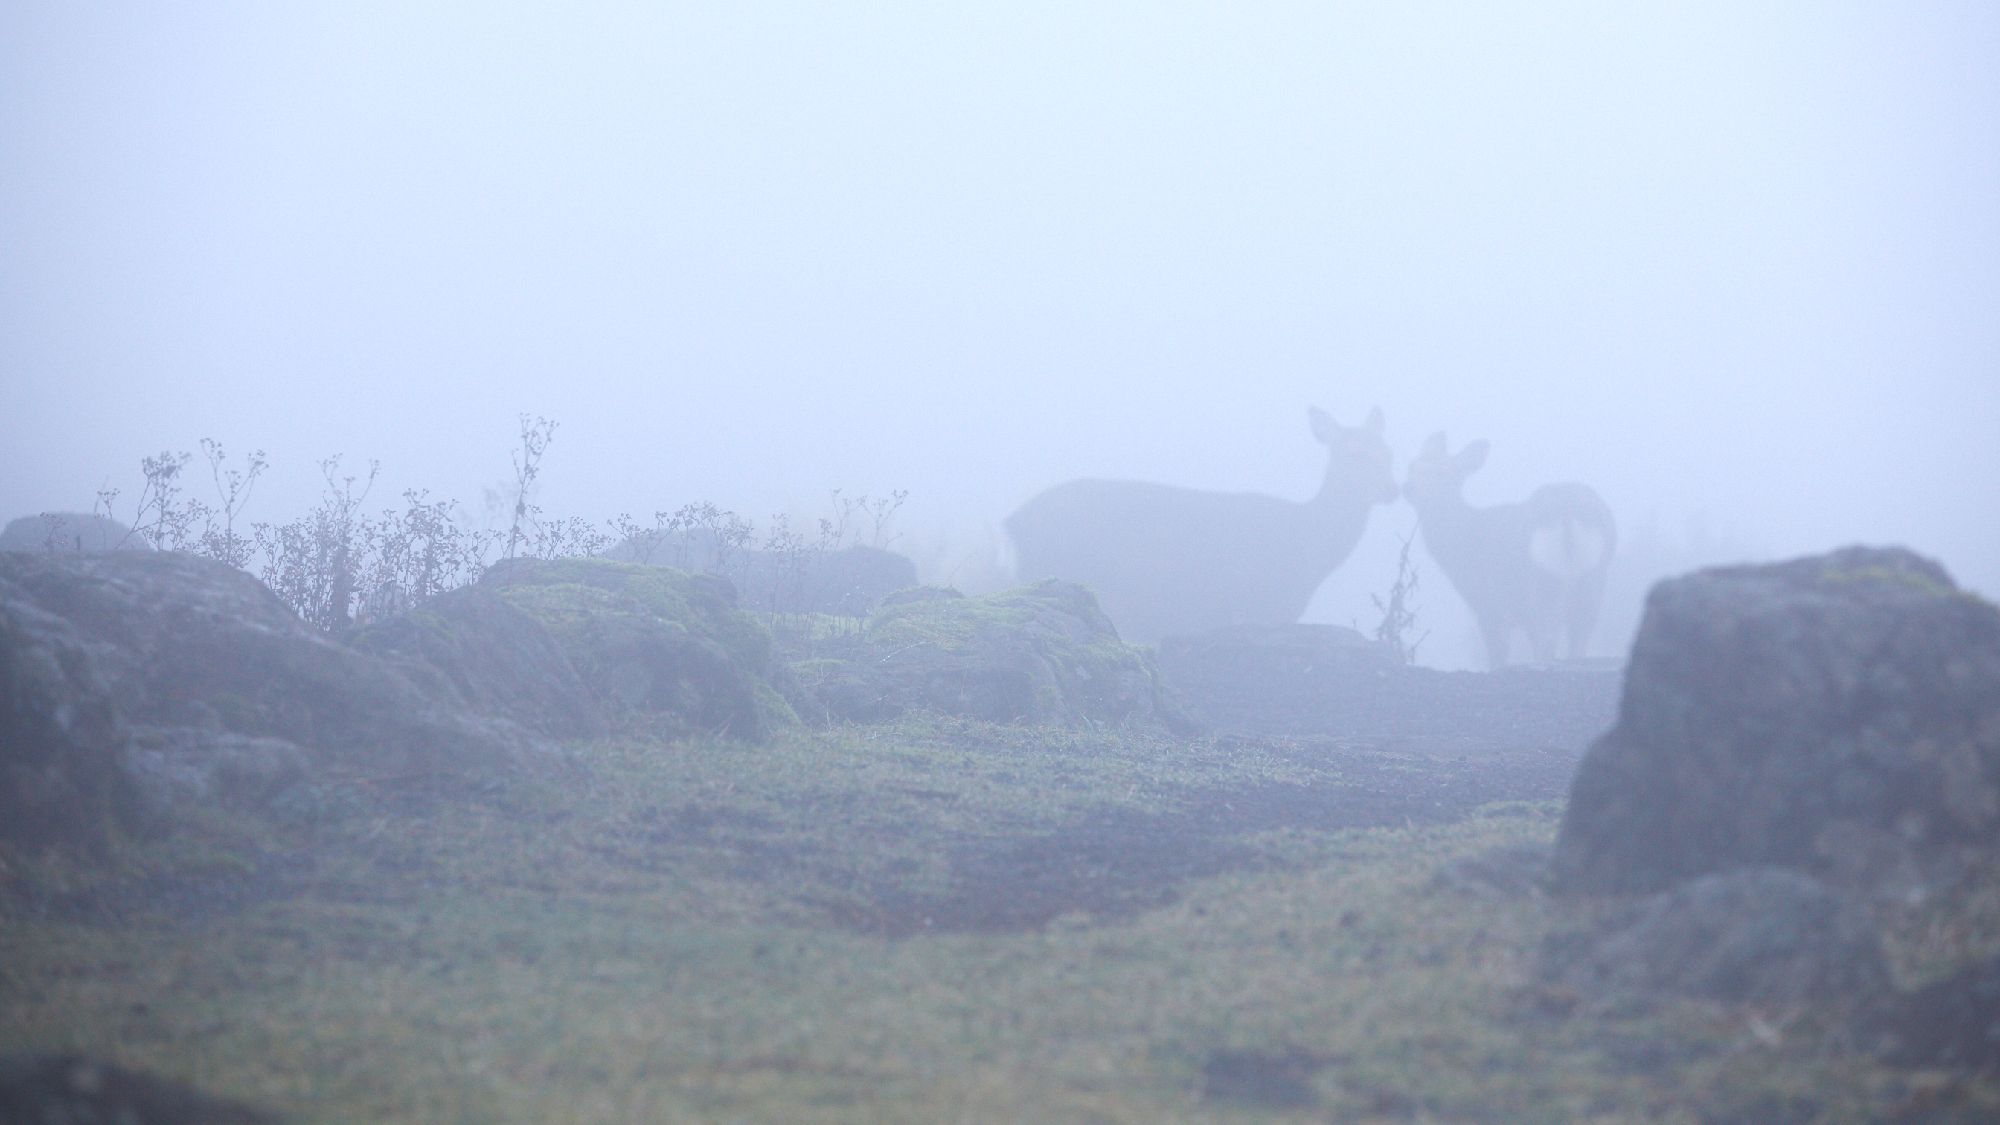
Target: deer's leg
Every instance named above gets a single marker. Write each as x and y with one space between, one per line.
1542 638
1496 635
1580 615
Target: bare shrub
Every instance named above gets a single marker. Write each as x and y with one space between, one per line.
536 434
315 562
1399 611
219 538
419 552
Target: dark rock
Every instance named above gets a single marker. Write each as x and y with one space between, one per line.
1837 714
847 581
184 765
69 1089
1952 1023
74 532
653 641
62 776
474 644
225 692
1762 935
1330 681
1036 654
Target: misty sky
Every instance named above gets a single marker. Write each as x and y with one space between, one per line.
1736 265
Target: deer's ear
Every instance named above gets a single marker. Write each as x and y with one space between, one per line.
1434 445
1374 423
1472 456
1324 427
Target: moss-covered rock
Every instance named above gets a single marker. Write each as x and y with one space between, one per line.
1040 654
1837 714
497 658
654 642
185 681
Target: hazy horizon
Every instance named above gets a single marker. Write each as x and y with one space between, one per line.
1736 268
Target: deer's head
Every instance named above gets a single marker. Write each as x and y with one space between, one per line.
1437 476
1358 458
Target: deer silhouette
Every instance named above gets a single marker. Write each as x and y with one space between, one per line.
1536 566
1166 560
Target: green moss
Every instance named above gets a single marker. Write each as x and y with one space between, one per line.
603 612
1891 576
559 589
670 937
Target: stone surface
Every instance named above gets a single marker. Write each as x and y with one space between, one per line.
1761 935
1330 681
223 692
1036 654
848 581
1954 1022
1838 714
497 658
654 642
62 776
76 532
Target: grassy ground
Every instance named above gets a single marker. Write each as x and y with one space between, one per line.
929 921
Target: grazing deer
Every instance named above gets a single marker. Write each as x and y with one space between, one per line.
1536 566
1166 560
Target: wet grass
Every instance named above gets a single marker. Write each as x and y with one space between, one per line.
927 921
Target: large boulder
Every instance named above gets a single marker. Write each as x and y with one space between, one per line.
654 642
1038 654
1761 935
1954 1022
496 657
1839 715
224 693
62 773
76 532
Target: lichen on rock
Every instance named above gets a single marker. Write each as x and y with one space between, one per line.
1043 653
1839 715
654 642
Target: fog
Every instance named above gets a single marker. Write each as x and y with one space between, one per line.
1737 267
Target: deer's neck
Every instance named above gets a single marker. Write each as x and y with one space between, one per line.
1447 524
1341 494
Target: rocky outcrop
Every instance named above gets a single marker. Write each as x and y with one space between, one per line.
847 581
1954 1022
1838 715
653 642
75 532
1328 681
62 771
203 686
475 645
1036 654
1761 935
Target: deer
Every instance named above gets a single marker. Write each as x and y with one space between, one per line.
1536 567
1165 560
